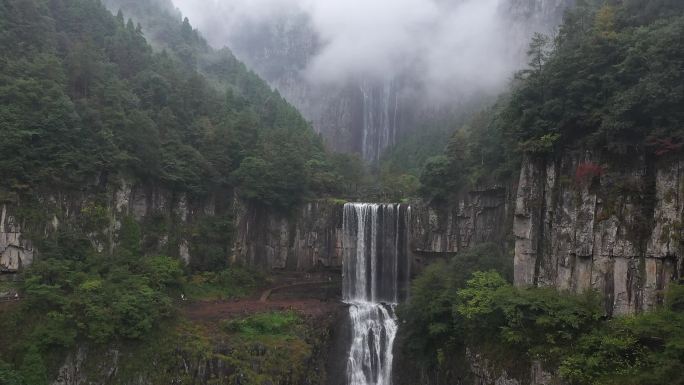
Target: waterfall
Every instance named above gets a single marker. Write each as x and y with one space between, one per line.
380 108
376 276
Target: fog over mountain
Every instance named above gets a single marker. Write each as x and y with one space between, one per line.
363 70
469 45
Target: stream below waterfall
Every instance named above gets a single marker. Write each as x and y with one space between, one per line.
376 275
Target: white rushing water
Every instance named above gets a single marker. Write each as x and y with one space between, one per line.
374 327
374 264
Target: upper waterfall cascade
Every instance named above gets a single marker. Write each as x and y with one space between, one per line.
376 276
380 109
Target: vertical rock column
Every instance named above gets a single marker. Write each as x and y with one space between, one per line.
527 222
15 252
663 261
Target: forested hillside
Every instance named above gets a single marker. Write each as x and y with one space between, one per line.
610 84
89 110
84 97
146 176
610 80
166 30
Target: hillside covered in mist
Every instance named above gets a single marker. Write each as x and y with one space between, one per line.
310 192
374 75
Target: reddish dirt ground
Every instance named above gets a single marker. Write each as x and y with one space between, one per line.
212 311
287 292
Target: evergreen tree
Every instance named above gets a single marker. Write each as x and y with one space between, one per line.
33 368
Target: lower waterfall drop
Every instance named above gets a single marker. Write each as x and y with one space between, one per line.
376 275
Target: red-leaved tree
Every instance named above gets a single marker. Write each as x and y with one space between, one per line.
587 171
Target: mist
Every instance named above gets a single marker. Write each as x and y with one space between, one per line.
447 47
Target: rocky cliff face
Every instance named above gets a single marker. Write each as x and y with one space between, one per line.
166 219
15 250
487 372
306 239
311 237
617 230
479 216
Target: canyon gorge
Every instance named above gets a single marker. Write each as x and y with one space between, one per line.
295 192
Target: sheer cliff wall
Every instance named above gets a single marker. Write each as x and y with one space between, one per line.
168 222
617 230
308 238
311 237
574 222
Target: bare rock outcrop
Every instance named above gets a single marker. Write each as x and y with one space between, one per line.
307 238
15 250
166 218
616 230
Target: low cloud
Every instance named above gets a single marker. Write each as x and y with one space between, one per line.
458 46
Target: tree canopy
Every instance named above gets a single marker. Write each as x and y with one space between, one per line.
83 96
612 80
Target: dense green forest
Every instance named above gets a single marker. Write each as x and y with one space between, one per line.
85 101
610 80
456 310
85 97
